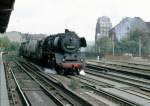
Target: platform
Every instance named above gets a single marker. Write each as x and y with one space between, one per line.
3 89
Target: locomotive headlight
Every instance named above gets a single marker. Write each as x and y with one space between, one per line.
81 60
63 60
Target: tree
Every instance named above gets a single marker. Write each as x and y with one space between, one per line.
104 45
130 43
146 44
6 45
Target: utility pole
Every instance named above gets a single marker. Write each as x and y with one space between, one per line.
99 50
113 44
140 46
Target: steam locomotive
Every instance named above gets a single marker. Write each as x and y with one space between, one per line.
60 51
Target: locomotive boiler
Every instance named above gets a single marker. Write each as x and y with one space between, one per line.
60 51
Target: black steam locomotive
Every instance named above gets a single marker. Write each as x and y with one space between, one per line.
60 51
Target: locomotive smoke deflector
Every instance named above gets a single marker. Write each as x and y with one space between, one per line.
83 42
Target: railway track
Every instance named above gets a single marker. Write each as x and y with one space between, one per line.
129 65
97 82
60 90
123 69
102 89
105 73
132 63
143 84
32 91
16 96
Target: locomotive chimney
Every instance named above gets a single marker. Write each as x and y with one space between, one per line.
66 30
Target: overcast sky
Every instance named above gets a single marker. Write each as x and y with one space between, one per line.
53 16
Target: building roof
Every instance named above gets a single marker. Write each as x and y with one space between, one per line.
129 24
6 7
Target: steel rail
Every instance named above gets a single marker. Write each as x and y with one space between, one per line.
94 80
26 102
121 64
121 70
56 100
101 92
76 99
120 79
133 63
120 75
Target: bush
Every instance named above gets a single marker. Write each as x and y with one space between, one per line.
74 84
6 45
